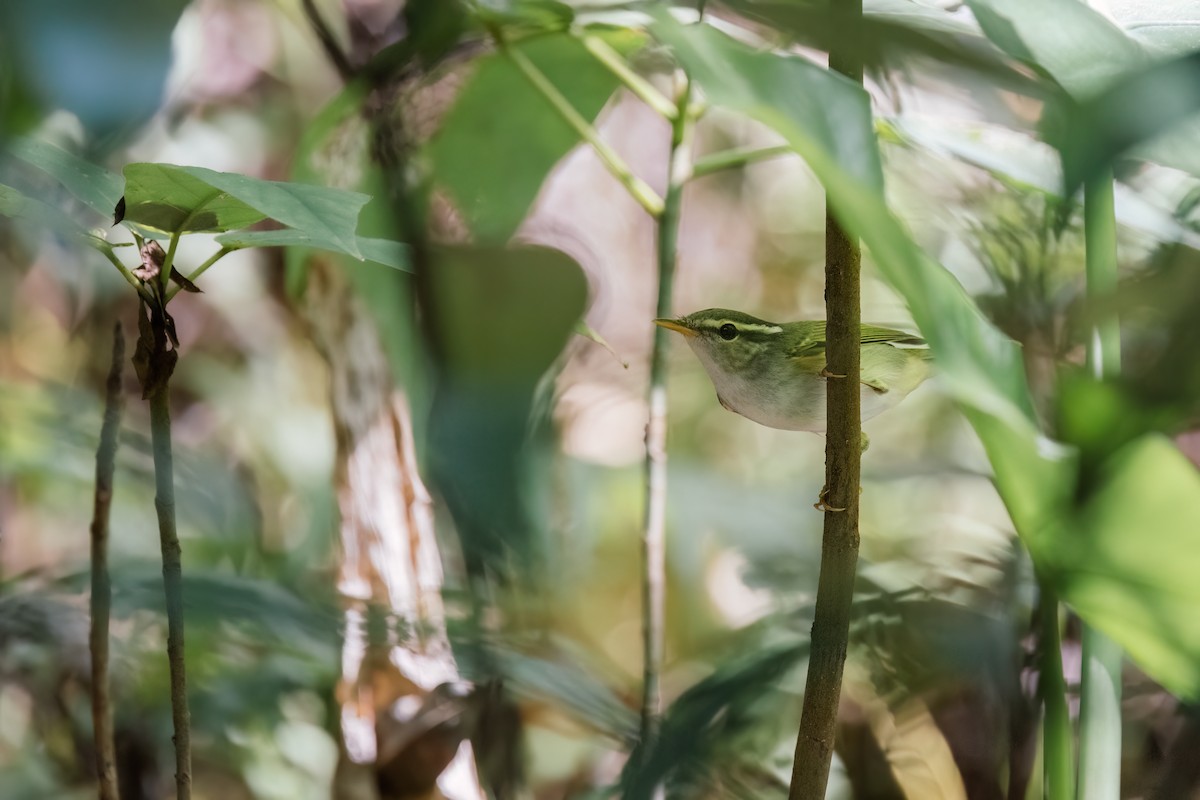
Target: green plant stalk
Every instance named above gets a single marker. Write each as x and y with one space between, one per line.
646 197
843 468
164 504
101 599
642 88
737 157
200 270
132 279
164 276
654 522
1100 691
1058 765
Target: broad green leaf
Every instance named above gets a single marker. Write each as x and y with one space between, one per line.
1129 105
1128 563
501 138
527 16
170 199
1166 28
889 29
1076 46
982 367
17 205
381 251
193 199
94 185
1152 114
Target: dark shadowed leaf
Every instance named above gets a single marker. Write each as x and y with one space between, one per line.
566 681
533 294
708 714
211 599
500 317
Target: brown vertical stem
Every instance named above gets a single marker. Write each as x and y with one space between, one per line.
101 602
839 545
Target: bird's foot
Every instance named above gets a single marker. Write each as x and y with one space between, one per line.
825 373
822 505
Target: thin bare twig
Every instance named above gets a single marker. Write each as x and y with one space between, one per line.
101 602
654 528
333 51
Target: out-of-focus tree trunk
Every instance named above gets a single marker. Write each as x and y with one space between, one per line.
397 731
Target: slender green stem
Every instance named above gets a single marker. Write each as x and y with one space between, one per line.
1058 761
164 276
1100 692
654 527
1100 232
101 600
843 468
200 270
639 189
125 272
617 65
737 157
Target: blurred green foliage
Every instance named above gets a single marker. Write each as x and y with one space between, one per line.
1103 502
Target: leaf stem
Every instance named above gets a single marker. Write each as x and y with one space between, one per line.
642 88
106 249
654 527
737 157
1100 690
200 270
843 468
646 197
101 599
164 275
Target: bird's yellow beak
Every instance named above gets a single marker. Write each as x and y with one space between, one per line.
674 325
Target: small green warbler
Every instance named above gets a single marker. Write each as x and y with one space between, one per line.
774 373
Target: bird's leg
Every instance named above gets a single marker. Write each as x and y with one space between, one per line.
821 505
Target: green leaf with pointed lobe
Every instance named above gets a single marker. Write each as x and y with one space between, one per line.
179 199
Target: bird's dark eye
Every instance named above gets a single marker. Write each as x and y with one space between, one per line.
728 331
